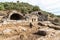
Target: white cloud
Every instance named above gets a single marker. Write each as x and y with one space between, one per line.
50 5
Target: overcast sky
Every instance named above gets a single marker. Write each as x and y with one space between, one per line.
46 5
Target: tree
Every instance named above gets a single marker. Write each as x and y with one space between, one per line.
52 15
2 7
24 10
17 1
56 20
36 8
58 16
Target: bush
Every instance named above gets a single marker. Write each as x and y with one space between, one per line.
56 20
36 8
2 7
23 7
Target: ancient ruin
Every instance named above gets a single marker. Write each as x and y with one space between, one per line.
14 15
14 25
34 16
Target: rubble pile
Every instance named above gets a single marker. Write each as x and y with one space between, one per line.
25 32
34 26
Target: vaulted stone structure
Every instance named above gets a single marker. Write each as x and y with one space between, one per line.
32 17
14 15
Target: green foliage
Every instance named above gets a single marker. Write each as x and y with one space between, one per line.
36 8
1 7
24 10
20 6
56 20
52 15
23 7
58 16
48 13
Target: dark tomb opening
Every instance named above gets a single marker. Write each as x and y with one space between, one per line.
16 16
39 13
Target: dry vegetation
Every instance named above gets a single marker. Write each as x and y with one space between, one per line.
15 30
18 31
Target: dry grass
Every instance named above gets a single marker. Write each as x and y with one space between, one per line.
22 31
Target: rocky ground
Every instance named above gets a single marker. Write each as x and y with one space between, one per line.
24 31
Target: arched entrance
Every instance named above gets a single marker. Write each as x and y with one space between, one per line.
16 16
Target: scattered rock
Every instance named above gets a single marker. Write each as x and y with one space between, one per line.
41 33
21 32
41 24
7 31
30 25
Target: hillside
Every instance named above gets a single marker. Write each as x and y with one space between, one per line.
24 8
20 6
36 24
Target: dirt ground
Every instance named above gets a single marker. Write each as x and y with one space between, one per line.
23 31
